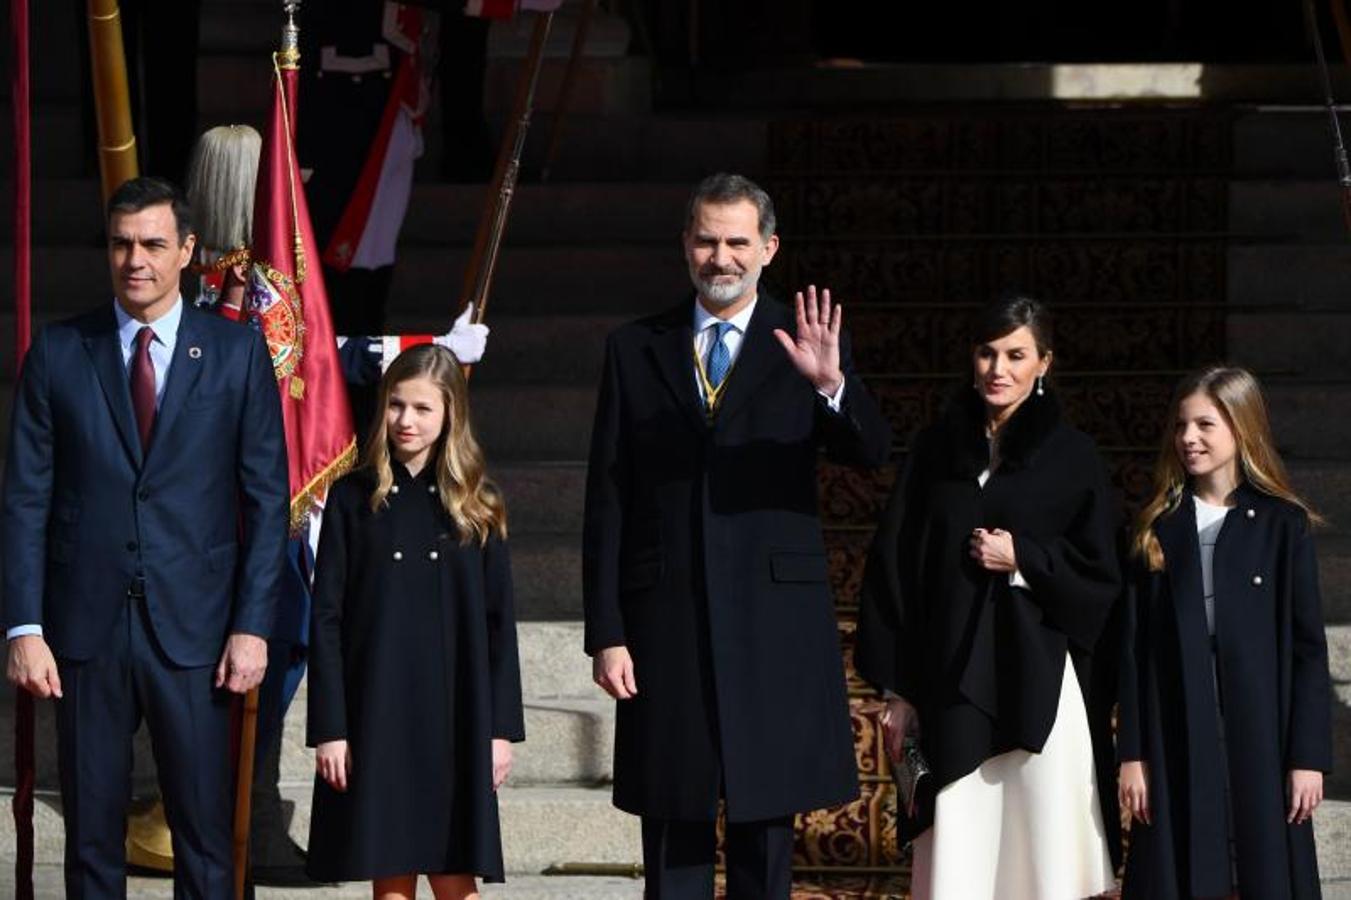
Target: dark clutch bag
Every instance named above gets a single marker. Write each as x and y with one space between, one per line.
912 769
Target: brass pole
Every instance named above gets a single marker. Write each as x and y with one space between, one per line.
248 737
112 103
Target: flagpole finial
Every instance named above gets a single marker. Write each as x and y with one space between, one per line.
289 57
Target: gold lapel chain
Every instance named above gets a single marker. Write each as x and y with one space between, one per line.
712 395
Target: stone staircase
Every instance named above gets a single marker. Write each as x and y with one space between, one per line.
1254 223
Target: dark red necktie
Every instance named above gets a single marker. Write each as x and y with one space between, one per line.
143 385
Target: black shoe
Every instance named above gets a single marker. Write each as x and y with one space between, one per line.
283 865
283 876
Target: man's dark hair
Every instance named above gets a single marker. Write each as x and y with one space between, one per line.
1007 314
724 188
141 193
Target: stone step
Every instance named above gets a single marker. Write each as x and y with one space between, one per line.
69 211
556 279
624 147
569 738
1290 141
1326 483
49 884
1338 784
871 86
1310 344
553 666
548 497
553 422
553 214
593 147
251 27
1305 208
603 86
541 827
569 722
1308 417
1334 579
523 422
547 576
543 497
546 825
1299 276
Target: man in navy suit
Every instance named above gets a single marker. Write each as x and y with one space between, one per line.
145 517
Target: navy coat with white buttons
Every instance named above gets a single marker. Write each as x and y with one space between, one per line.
703 555
1271 665
413 661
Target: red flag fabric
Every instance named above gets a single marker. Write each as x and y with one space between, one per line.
287 301
490 9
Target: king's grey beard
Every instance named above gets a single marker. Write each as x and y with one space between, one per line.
724 293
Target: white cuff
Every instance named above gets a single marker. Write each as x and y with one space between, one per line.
1017 580
389 347
22 630
835 400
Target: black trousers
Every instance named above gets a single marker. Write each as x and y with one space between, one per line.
678 859
104 700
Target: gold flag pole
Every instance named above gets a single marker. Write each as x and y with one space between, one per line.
112 103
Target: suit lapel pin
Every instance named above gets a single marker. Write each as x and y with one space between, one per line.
194 353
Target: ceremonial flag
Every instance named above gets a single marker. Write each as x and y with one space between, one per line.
368 230
490 9
287 302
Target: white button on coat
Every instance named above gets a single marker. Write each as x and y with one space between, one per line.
394 489
1257 580
1252 514
432 554
398 555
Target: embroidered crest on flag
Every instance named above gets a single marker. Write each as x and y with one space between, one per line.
274 308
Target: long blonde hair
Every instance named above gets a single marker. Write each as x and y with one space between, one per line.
468 495
1238 396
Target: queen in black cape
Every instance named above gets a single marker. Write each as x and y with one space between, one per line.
979 655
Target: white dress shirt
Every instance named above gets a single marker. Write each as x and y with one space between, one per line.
161 354
161 348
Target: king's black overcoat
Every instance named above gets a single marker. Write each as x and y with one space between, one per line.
703 555
1272 670
983 661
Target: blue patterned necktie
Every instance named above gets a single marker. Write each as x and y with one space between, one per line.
719 357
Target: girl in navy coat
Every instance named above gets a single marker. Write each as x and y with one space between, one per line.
1225 718
415 690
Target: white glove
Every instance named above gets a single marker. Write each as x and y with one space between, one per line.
465 339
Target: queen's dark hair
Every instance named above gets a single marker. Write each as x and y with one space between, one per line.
1007 314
